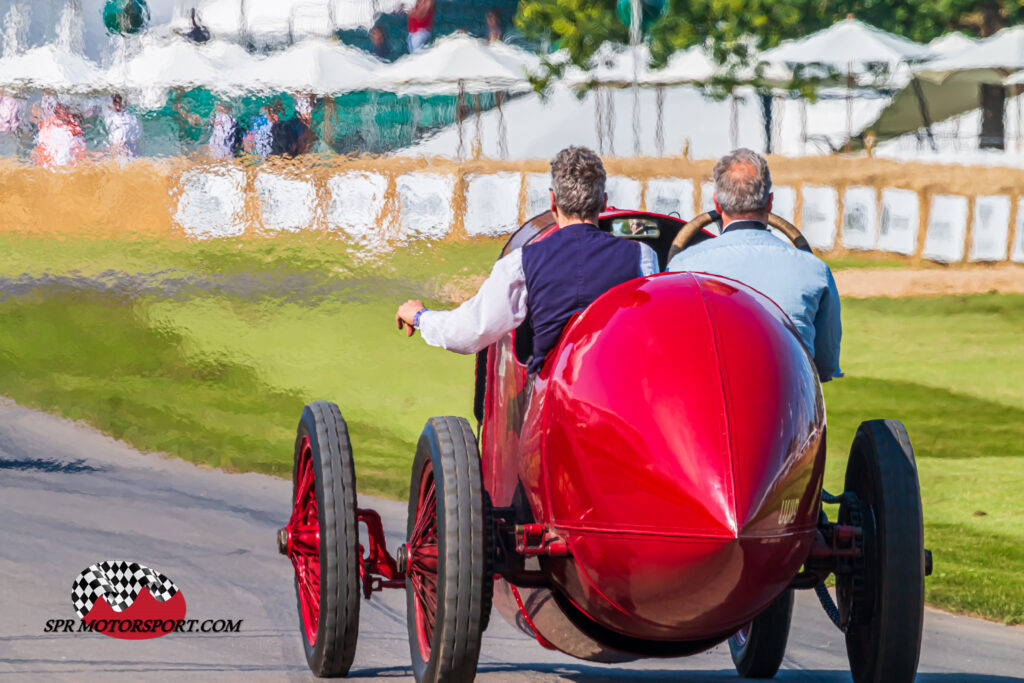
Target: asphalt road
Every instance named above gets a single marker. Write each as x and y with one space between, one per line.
70 497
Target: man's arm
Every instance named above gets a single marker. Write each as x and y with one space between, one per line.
828 330
495 310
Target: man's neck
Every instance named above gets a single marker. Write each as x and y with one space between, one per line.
574 220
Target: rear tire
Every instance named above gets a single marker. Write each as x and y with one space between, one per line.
757 649
447 585
322 443
883 598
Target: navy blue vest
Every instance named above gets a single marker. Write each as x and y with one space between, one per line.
565 272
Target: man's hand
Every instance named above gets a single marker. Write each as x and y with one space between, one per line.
406 313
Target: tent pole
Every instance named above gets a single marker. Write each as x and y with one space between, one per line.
734 119
803 124
659 126
458 113
849 105
923 107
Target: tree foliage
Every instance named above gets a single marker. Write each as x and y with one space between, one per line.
731 28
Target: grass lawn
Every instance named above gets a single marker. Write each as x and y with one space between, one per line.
208 351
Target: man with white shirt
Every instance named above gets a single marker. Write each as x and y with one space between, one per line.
546 281
122 130
798 281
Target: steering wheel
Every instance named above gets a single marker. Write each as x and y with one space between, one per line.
686 234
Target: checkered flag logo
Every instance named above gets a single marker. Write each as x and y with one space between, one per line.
119 583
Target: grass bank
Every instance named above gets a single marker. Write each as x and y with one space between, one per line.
208 351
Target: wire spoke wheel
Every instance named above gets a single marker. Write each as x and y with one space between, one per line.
447 589
321 540
882 599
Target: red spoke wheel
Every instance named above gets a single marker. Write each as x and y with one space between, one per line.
757 649
322 540
882 599
447 586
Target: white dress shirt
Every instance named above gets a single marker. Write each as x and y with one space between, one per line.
496 309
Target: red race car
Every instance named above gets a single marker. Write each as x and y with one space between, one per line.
655 489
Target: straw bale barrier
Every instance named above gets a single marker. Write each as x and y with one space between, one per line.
907 211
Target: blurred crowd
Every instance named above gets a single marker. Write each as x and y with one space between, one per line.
55 133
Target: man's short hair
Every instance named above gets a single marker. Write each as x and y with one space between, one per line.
737 188
577 179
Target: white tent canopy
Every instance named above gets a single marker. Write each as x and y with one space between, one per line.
454 62
987 61
175 64
692 65
950 43
848 45
49 67
313 66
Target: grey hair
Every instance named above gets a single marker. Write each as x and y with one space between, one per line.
742 192
577 179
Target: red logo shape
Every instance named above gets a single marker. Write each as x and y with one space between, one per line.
127 600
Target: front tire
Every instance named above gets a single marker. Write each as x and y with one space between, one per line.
447 586
882 600
326 573
757 649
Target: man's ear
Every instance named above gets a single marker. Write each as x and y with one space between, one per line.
604 202
768 205
554 205
718 207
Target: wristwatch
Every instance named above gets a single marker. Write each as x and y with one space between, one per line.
416 318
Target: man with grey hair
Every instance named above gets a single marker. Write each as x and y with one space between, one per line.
798 281
548 280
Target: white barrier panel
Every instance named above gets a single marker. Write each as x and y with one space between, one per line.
624 193
1017 253
285 203
990 228
492 204
538 199
356 200
900 220
425 204
783 206
211 203
818 216
860 218
784 202
707 197
670 196
947 226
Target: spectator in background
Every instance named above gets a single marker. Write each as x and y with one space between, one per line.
495 31
260 136
198 32
224 136
421 24
123 130
12 111
60 141
294 136
379 43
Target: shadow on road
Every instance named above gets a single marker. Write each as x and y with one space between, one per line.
598 674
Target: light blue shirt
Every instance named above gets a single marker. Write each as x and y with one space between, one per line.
798 281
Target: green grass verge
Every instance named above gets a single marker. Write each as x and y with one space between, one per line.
217 369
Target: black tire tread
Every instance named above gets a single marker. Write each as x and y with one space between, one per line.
886 646
455 649
762 654
334 650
